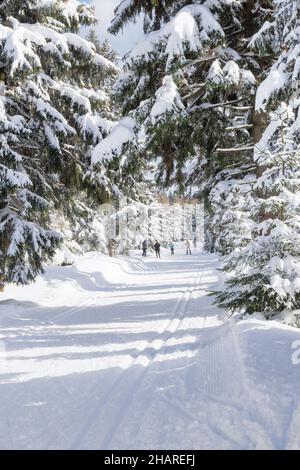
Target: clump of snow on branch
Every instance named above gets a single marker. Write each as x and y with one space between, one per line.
112 145
167 99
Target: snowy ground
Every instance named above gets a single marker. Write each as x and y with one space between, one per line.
120 353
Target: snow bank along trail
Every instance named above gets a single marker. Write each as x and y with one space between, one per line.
124 353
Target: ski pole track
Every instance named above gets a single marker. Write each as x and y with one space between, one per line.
180 308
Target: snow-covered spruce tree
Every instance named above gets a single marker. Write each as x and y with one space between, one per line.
196 55
129 190
25 242
103 48
266 272
281 39
265 275
51 111
155 13
231 204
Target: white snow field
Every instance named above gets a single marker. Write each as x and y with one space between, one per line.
130 354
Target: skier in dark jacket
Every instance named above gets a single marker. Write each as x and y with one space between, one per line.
144 247
157 249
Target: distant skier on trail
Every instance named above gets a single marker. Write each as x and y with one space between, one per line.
144 247
172 248
188 247
157 249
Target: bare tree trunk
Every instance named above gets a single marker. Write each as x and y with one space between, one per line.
260 122
111 247
258 118
4 244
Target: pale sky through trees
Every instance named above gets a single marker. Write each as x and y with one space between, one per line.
123 42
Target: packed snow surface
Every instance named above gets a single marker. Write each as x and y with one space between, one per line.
125 353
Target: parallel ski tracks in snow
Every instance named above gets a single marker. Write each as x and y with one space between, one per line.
146 359
142 360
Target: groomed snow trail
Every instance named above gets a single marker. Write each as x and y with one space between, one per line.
129 354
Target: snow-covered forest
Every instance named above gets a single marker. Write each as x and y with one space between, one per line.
191 140
205 106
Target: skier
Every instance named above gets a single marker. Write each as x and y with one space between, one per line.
188 247
157 249
172 248
144 247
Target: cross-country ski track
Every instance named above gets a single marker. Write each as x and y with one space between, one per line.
125 353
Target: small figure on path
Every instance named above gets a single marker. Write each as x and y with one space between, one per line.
144 247
172 248
157 249
188 247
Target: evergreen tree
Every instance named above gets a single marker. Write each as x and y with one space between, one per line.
104 48
281 39
265 274
52 111
231 223
24 241
199 50
155 13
